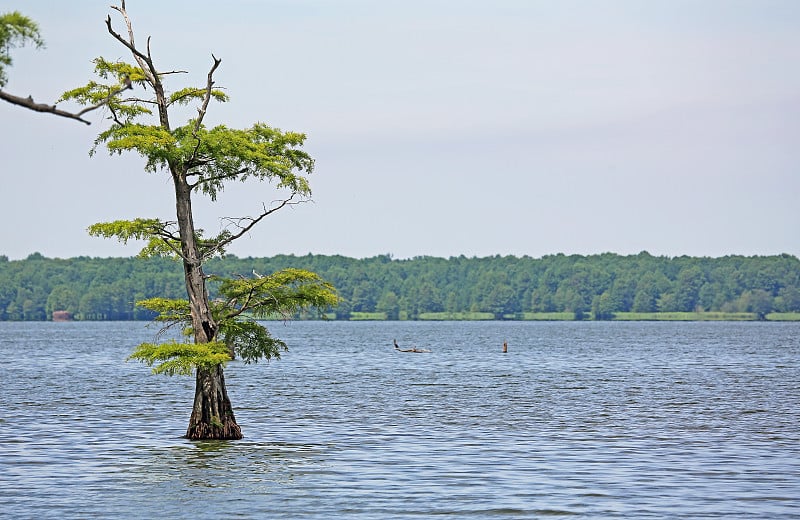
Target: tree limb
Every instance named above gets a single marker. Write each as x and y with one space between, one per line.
169 238
144 61
209 83
174 249
253 221
201 111
251 303
29 103
236 312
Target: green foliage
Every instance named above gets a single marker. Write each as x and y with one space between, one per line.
282 293
222 154
156 144
107 288
455 316
16 30
783 316
549 316
684 316
170 310
211 157
367 316
186 95
250 340
124 230
242 300
114 74
173 358
161 237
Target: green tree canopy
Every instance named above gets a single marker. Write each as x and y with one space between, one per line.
200 161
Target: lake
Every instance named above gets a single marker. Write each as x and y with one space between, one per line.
578 419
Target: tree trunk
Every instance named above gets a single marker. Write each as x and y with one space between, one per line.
212 414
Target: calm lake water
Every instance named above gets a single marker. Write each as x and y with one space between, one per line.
584 420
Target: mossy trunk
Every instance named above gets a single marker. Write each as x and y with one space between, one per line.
212 414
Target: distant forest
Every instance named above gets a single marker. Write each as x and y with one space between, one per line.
499 287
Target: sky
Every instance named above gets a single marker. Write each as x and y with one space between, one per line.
439 128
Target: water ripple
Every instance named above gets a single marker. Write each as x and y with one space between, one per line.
578 419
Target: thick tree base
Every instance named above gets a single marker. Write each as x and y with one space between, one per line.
199 432
212 415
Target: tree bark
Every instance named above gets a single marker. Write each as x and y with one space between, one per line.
212 414
29 103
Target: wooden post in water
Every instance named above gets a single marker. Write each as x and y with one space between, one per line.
505 347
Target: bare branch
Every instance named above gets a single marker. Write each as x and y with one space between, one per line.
115 117
251 303
166 328
244 307
170 239
145 62
201 111
140 58
209 83
29 103
165 235
174 249
245 224
194 162
253 221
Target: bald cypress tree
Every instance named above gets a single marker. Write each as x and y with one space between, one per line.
200 161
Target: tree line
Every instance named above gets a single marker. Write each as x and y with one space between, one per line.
595 286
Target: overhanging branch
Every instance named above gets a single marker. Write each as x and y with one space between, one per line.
29 103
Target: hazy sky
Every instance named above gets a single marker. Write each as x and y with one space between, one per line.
441 128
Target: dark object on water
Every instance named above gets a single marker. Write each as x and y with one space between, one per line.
412 349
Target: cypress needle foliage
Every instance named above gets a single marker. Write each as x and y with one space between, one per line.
201 161
173 358
16 30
